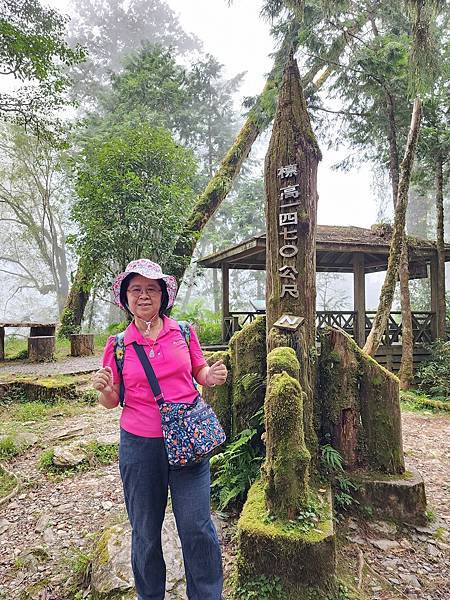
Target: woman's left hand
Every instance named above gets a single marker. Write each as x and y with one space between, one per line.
217 374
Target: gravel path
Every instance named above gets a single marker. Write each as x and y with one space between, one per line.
79 364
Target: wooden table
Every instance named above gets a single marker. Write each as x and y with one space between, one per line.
36 329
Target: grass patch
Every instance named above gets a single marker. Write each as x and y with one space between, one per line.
40 411
8 448
7 483
419 402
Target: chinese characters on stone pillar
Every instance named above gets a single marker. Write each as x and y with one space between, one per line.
287 224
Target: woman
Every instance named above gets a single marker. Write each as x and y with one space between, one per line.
146 293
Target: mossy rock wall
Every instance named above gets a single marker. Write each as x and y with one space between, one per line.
359 406
219 397
249 359
270 549
306 375
286 468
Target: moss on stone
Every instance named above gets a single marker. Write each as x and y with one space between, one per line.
100 553
302 558
358 406
219 397
248 356
286 468
283 359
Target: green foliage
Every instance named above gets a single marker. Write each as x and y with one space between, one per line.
414 401
8 448
331 459
207 323
235 469
344 498
307 519
261 588
89 397
101 454
33 48
138 181
81 564
7 483
333 465
434 375
115 328
46 460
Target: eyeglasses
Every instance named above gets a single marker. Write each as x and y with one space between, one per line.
150 291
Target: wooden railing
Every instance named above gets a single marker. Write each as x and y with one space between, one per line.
423 324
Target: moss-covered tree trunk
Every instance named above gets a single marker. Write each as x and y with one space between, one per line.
359 406
440 243
406 369
388 289
286 468
291 219
77 299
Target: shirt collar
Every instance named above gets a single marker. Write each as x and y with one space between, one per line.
132 333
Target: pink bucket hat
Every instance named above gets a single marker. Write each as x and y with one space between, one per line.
146 268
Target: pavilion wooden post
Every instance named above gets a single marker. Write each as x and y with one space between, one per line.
225 300
359 298
2 343
434 288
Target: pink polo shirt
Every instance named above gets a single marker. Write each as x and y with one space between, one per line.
173 362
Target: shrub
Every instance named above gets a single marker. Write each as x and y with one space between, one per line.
8 448
208 324
434 375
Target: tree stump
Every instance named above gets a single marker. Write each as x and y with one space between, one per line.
81 344
286 468
41 348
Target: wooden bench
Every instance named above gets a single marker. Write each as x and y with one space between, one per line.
36 330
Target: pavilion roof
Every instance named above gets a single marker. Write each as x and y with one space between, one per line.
335 250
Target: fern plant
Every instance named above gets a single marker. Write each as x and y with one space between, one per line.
235 469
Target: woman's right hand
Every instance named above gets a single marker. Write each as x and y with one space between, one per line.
102 380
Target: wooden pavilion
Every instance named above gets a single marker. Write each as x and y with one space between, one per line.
345 250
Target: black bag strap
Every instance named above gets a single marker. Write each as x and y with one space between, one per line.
150 373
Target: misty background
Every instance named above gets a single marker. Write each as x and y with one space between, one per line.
219 56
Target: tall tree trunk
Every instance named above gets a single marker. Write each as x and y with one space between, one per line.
189 287
258 119
91 310
216 291
77 299
406 369
440 244
388 289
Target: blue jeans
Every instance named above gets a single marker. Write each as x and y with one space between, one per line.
146 477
